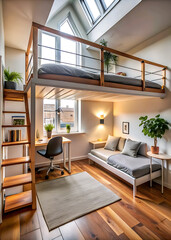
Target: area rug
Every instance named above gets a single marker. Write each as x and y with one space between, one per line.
67 198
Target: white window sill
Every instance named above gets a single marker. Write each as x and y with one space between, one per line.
65 134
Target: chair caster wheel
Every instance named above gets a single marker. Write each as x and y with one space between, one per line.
46 177
62 173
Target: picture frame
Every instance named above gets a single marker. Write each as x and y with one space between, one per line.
18 120
125 127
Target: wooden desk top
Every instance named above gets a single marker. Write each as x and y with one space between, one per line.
46 140
160 156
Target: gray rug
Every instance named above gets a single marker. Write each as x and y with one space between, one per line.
67 198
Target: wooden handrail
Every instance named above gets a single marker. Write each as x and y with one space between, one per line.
102 68
81 40
143 75
164 78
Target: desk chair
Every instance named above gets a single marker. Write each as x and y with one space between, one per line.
54 148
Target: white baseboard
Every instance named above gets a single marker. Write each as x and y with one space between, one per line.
60 161
165 184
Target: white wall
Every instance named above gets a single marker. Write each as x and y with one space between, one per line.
158 50
2 44
89 125
15 60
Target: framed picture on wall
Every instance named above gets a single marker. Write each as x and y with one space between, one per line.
125 127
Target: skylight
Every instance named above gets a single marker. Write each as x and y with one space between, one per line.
93 8
96 8
107 3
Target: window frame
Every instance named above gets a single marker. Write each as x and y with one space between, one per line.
102 8
57 118
58 42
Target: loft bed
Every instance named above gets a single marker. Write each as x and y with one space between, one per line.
67 75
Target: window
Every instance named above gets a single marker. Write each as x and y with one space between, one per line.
47 52
51 46
68 115
68 45
96 8
107 3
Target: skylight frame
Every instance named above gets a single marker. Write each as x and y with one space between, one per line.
104 10
89 12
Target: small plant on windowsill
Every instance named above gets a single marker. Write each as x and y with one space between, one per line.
68 128
11 79
154 128
49 128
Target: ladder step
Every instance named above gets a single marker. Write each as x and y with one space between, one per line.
14 112
13 95
15 161
16 180
6 144
17 201
8 126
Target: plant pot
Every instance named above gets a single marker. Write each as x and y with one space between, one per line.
68 130
155 150
49 134
10 85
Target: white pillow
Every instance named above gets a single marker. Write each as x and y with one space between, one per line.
111 143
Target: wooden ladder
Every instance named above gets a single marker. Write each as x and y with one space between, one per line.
24 198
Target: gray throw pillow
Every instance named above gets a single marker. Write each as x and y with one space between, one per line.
142 149
111 143
131 148
121 144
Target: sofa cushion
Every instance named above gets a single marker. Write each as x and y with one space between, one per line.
121 144
102 153
135 167
131 148
142 149
111 143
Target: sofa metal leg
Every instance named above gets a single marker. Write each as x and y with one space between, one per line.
134 190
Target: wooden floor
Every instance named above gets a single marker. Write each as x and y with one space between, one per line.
146 217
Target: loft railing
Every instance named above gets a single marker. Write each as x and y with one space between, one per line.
32 57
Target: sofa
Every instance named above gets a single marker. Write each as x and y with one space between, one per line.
132 166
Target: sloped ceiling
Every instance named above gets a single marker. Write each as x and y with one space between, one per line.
146 20
18 16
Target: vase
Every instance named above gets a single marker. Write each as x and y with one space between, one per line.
68 130
49 134
155 149
10 85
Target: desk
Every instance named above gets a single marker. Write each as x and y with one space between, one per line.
160 156
64 141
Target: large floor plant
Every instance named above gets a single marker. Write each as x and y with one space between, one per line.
154 128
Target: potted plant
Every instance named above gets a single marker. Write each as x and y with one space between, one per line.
108 57
49 127
11 79
68 128
154 128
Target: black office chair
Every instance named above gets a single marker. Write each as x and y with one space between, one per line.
54 148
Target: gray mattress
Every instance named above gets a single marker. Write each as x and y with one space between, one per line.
135 167
61 69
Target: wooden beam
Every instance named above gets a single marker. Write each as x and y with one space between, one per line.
26 64
164 78
1 137
35 52
143 75
32 135
102 68
81 40
30 41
